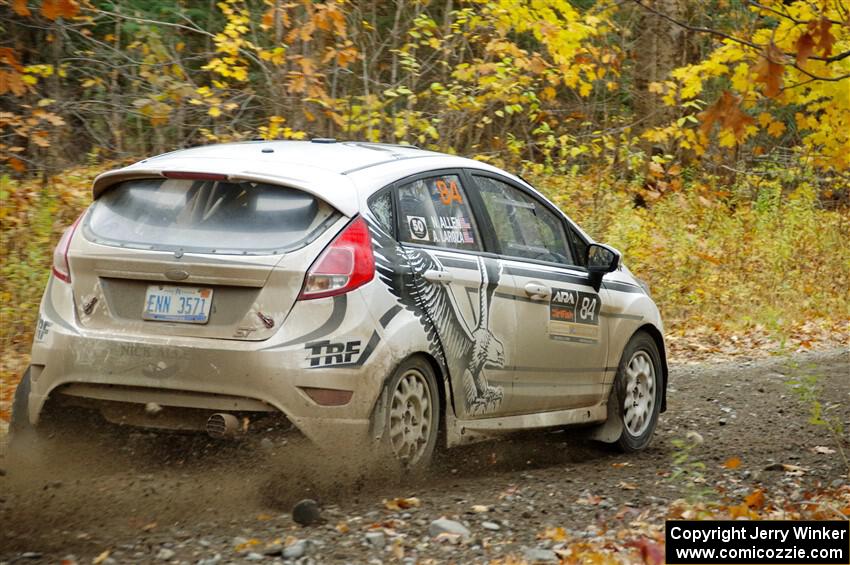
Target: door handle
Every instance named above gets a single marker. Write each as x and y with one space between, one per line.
435 276
537 291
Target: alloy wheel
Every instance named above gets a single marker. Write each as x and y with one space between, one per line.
639 401
410 417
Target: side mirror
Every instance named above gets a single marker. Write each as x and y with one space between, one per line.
601 259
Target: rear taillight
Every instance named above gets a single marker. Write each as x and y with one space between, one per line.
345 264
61 268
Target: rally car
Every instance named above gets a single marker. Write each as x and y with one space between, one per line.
364 294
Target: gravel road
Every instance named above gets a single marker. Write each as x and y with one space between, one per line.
179 500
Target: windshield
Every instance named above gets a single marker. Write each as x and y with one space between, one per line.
207 216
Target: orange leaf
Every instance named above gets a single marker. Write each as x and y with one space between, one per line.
555 534
656 169
805 47
770 69
17 165
732 463
402 503
50 9
727 111
7 56
755 499
20 8
825 38
54 9
715 261
651 552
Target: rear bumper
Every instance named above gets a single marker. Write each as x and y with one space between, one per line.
211 373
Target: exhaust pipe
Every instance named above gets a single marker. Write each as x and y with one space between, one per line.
222 425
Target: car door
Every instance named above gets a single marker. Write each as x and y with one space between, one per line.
561 340
457 287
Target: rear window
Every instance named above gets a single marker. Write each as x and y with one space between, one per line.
207 217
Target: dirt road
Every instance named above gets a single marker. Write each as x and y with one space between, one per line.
155 501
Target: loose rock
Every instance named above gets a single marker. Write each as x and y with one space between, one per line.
296 550
537 555
306 512
446 526
376 539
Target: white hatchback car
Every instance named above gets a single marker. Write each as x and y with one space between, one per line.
366 294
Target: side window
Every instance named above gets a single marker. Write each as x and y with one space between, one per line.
382 207
579 245
435 211
524 227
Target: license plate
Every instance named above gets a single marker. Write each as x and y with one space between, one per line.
185 304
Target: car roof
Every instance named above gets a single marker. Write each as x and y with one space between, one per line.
330 170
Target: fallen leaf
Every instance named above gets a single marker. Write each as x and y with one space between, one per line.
652 553
732 463
342 528
589 500
755 499
739 511
480 508
447 537
398 549
510 491
149 527
822 449
623 464
100 558
795 470
557 534
627 486
402 503
247 545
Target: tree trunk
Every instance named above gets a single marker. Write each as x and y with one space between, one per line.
659 48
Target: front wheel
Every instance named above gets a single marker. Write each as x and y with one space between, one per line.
638 392
412 414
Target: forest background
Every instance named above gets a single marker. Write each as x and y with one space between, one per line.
707 140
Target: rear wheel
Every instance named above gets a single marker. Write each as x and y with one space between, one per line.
638 389
412 415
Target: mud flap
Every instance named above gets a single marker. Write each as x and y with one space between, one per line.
20 421
610 431
379 415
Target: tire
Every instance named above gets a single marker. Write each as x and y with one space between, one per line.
412 418
638 391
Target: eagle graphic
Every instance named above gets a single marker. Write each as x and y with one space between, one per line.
459 348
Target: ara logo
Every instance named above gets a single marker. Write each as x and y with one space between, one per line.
326 354
564 297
